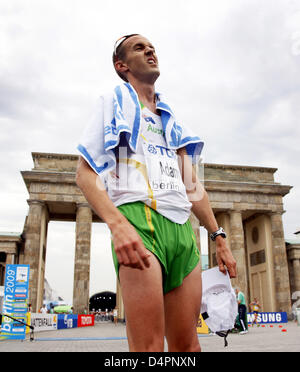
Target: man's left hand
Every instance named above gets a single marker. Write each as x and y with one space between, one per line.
225 258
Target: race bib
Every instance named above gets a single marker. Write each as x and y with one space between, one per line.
162 167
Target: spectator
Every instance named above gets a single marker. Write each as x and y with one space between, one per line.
115 316
43 310
242 311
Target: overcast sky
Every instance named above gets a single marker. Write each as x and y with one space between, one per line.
231 69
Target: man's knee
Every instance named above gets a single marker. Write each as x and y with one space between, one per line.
184 345
152 344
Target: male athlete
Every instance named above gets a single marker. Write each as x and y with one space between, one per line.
136 172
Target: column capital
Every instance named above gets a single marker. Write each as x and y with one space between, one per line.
83 205
234 211
275 213
235 216
36 201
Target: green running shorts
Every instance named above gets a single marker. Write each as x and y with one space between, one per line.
173 244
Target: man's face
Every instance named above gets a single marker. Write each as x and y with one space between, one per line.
140 59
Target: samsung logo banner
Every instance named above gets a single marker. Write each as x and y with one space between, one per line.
265 318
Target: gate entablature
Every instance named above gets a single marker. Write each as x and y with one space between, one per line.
248 189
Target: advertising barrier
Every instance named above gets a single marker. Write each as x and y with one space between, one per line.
44 322
28 321
202 328
266 318
15 302
86 320
67 321
53 322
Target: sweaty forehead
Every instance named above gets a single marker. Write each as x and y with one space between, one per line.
138 39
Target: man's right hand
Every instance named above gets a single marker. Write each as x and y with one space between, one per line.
129 247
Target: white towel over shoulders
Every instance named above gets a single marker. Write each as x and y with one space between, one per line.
120 112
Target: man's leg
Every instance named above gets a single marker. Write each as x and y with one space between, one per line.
144 308
182 309
242 316
246 318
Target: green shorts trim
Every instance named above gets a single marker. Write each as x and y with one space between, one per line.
173 244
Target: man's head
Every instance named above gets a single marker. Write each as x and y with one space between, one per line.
134 57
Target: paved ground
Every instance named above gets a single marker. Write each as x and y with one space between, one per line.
106 337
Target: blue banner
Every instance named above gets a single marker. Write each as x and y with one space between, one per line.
67 321
266 318
15 302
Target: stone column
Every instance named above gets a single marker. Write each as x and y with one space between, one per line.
34 253
296 271
82 259
119 302
237 245
281 273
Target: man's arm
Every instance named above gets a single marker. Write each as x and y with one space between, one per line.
202 210
128 245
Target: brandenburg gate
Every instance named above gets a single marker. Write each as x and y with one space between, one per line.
246 200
